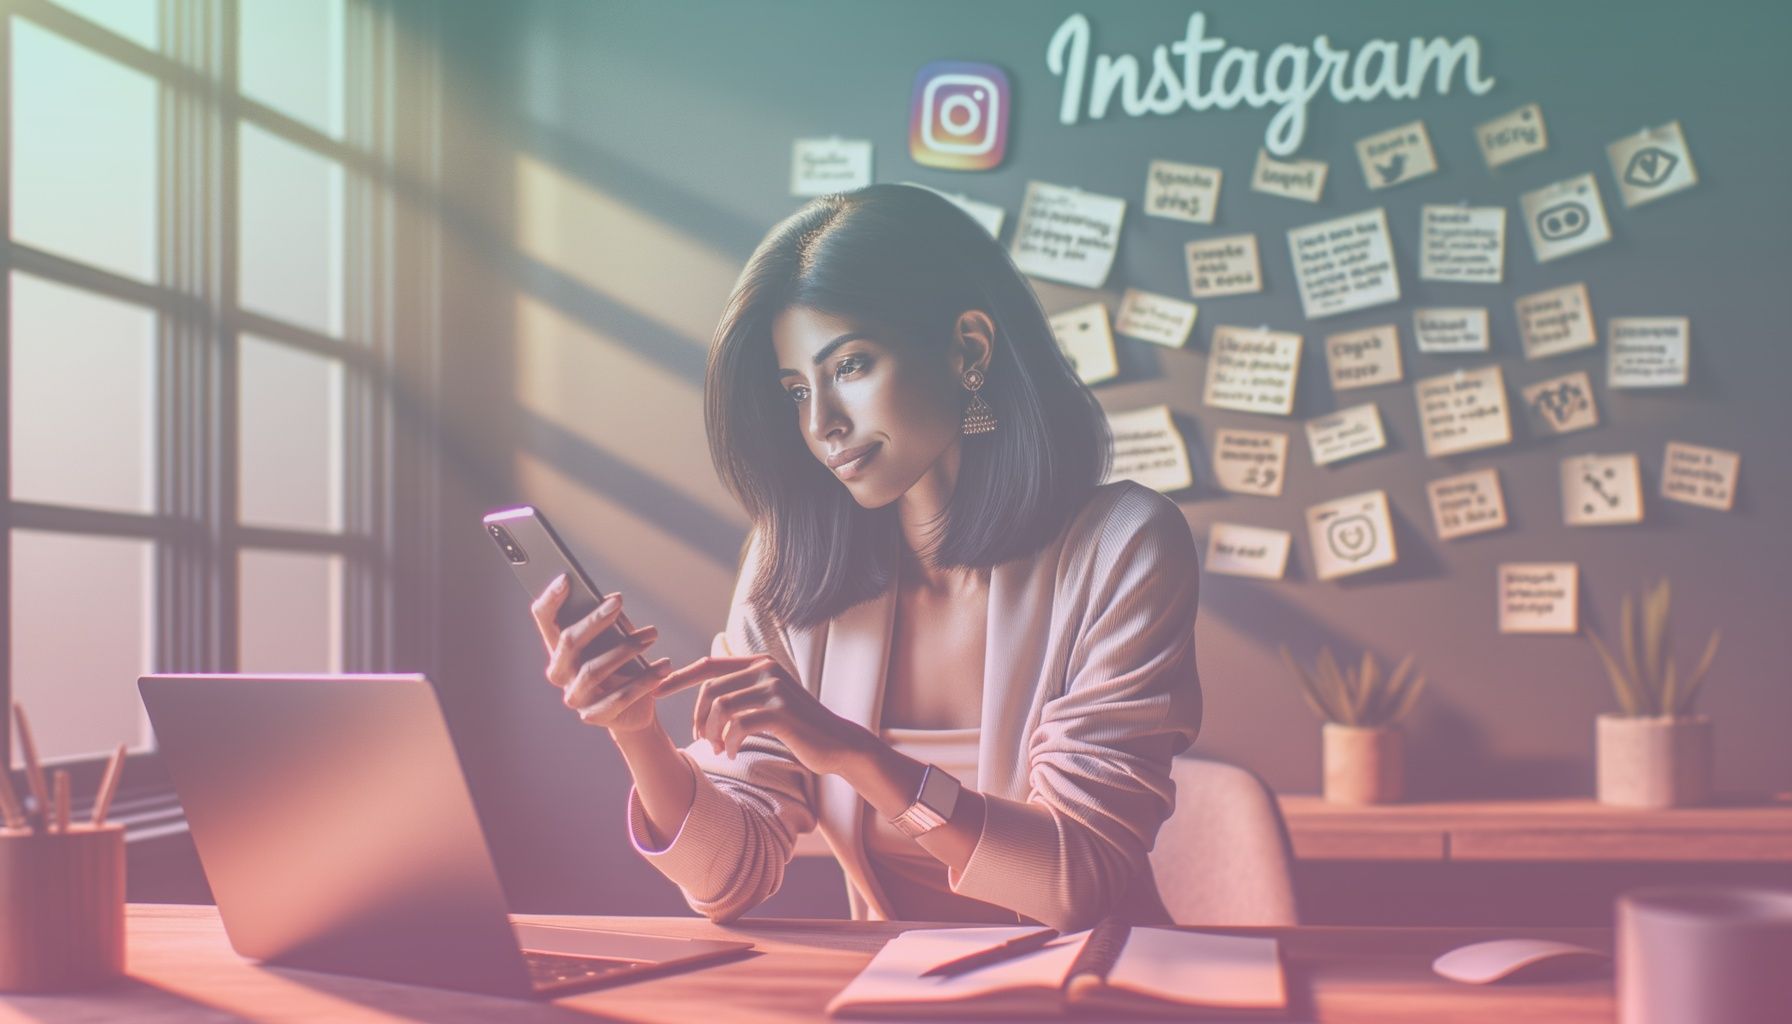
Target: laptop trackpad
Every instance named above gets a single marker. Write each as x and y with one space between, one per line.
544 938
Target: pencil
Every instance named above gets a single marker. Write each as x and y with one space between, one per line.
10 808
108 786
34 769
995 954
61 800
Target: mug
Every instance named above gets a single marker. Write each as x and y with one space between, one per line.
1709 954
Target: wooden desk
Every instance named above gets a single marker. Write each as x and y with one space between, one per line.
182 969
1539 830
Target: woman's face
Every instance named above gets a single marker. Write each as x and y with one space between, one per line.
855 392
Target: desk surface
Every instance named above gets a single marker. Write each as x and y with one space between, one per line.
182 968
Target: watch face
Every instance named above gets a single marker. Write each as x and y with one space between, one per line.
939 791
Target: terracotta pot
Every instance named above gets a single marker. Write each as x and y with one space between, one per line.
1653 762
1363 764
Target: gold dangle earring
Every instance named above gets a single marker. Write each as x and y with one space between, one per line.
978 417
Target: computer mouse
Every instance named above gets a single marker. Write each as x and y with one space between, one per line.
1520 960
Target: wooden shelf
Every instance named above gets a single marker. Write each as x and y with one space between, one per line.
1732 831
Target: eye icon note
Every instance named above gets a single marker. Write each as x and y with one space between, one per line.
959 117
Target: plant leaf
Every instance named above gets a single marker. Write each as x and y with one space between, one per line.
1668 696
1328 668
1388 700
1697 679
1655 629
1620 685
1407 699
1638 687
1309 690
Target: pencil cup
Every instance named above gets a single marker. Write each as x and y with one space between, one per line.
61 908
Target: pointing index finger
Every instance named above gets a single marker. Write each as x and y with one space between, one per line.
705 668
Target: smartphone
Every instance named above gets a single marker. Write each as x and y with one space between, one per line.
537 555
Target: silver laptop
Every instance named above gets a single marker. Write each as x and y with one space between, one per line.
335 827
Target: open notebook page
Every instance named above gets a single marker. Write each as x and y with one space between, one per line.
1212 970
892 978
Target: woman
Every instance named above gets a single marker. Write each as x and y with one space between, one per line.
950 646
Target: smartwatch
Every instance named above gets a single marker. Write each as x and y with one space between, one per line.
933 805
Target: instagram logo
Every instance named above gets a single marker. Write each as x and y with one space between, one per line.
959 119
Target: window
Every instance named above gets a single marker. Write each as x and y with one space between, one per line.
200 425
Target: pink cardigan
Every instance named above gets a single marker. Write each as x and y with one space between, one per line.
1089 689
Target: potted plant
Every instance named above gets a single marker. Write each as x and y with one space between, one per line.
1363 749
1655 752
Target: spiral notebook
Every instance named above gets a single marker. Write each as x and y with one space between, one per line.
1114 970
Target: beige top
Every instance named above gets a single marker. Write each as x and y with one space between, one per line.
915 882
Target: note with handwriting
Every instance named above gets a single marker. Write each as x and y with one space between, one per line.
1467 504
1652 163
1564 218
1397 155
1561 405
1252 370
1511 136
1539 597
1224 266
1345 434
1556 321
1364 358
1463 411
1234 550
1344 264
1149 450
1697 475
1602 490
1462 329
821 166
1462 243
1086 340
1351 535
1250 461
1182 191
1158 319
1647 351
1067 235
1291 179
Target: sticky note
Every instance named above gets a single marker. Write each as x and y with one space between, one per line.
1397 155
1234 550
1462 243
1187 192
1149 450
1346 434
1224 266
1252 370
1513 135
1364 358
1455 329
1351 535
1250 461
1344 264
1561 405
821 166
1067 235
1601 490
1556 321
1566 217
1539 597
1086 340
1291 179
1652 163
1702 476
1158 319
1467 503
1463 411
1647 352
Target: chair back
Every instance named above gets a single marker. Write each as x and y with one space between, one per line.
1224 856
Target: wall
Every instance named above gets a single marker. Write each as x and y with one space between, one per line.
615 163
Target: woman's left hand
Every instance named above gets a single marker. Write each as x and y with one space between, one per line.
763 700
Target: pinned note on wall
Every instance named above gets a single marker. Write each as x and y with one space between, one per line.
1467 503
1086 340
1224 266
1252 370
1346 434
1364 358
1396 156
1462 243
1539 597
1456 329
1647 352
1513 135
1187 192
1556 321
1701 476
1291 179
1158 319
1149 450
1602 490
1562 405
1250 461
1351 535
1234 550
1344 264
1652 163
1067 235
1566 217
821 166
1463 411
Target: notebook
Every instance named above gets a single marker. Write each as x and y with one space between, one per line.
1146 971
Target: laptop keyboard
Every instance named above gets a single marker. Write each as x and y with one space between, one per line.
551 969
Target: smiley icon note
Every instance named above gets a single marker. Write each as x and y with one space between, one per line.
1351 535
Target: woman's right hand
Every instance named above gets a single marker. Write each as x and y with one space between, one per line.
601 690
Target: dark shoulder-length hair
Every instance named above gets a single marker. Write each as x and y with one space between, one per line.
908 261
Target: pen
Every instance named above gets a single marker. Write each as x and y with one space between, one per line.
34 769
10 808
108 786
994 954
